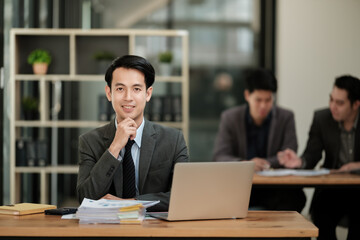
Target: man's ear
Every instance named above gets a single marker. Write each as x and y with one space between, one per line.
356 104
149 93
108 92
246 94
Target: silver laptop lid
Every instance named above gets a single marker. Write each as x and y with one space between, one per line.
210 190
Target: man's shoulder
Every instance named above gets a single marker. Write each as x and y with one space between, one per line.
323 113
235 111
283 110
97 132
161 129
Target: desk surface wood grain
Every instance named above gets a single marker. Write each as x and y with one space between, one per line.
331 179
257 224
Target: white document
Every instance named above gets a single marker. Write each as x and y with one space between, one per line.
105 204
295 172
69 216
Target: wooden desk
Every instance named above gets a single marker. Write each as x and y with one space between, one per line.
338 179
258 224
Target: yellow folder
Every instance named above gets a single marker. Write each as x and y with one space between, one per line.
25 208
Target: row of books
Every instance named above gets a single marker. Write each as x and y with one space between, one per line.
159 108
112 211
164 108
31 152
105 109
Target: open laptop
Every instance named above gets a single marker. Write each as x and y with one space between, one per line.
209 190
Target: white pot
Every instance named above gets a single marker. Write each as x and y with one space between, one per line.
165 69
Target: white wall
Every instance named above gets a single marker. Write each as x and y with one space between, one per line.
317 40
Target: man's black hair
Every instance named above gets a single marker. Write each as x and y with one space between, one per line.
351 85
132 62
260 79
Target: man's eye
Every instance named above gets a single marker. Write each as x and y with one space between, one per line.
137 89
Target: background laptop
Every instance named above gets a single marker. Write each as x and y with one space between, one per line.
209 190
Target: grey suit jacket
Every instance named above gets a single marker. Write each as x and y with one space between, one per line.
230 144
324 135
101 173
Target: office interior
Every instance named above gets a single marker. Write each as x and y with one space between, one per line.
306 43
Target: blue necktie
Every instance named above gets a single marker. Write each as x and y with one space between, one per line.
129 188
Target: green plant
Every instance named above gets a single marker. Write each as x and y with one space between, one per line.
30 103
39 56
103 55
165 57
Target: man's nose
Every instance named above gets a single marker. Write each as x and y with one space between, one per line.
332 105
127 95
263 104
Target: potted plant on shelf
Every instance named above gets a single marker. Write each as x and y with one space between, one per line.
40 60
30 107
165 59
104 59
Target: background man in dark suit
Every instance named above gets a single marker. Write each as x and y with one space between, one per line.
155 149
256 131
335 130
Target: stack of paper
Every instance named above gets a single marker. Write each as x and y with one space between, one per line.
295 172
112 211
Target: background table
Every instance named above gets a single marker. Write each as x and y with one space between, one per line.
335 179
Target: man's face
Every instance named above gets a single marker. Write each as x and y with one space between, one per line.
128 94
340 105
260 103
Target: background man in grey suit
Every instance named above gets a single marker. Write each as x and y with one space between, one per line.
336 131
256 131
155 149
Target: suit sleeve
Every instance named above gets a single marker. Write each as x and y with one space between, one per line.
180 155
289 140
224 149
95 175
314 146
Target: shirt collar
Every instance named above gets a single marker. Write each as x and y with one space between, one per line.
139 132
356 120
341 124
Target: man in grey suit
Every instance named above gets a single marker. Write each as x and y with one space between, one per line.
257 131
130 157
335 131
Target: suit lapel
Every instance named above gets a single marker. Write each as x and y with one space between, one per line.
271 131
357 140
108 137
109 133
148 143
242 133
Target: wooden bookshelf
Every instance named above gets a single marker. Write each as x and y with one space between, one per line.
72 63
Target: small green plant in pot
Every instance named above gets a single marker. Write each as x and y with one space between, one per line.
165 59
104 59
30 107
40 60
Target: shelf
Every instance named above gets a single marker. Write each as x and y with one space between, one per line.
178 125
83 77
49 169
59 124
79 124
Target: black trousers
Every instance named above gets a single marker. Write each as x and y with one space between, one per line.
278 198
330 205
